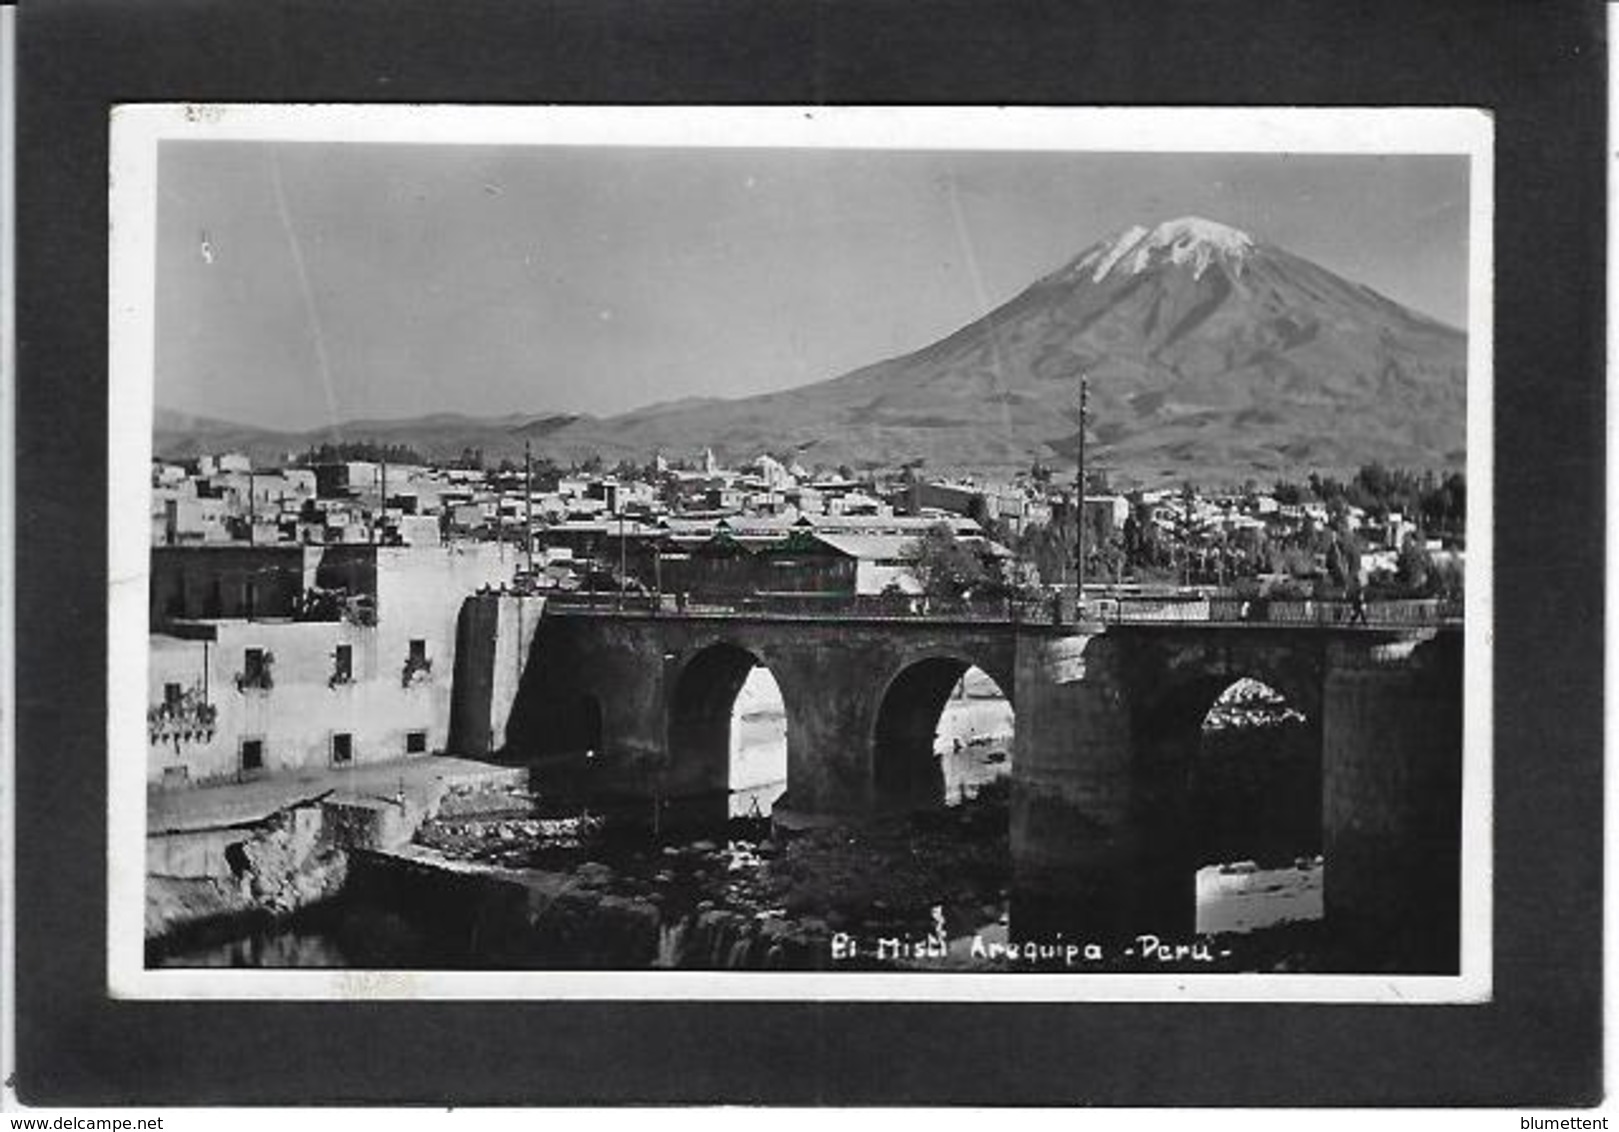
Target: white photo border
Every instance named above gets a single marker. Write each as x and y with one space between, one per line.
136 131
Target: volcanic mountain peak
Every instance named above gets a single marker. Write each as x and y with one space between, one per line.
1187 240
1210 355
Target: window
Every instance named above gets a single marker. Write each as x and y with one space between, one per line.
252 754
415 742
342 747
255 673
417 667
171 694
343 665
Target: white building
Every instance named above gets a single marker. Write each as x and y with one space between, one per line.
230 698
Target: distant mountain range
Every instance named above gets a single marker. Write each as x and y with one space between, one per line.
1211 356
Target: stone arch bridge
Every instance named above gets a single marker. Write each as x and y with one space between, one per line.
1107 733
862 699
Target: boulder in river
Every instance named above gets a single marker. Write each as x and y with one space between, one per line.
594 874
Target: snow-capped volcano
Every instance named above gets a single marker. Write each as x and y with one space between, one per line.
1188 240
1212 355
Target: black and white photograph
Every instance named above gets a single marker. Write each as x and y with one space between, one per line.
800 553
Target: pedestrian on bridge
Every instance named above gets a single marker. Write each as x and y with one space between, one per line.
1357 603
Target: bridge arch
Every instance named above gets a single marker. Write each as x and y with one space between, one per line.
1257 781
1186 679
906 771
702 698
1232 758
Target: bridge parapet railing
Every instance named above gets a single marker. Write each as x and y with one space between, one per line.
1177 609
1326 612
1174 609
832 606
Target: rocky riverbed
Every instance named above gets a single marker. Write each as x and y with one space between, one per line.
726 896
517 890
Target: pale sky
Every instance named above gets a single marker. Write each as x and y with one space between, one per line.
308 283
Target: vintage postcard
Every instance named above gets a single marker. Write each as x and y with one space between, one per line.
800 553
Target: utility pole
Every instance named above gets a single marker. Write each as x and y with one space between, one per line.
657 564
1079 499
528 510
621 554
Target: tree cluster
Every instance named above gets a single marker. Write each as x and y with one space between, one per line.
1314 557
1437 504
368 450
951 570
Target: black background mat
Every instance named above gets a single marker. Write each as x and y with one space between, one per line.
1540 68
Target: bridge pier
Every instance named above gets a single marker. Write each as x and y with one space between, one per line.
1392 752
827 696
1100 847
